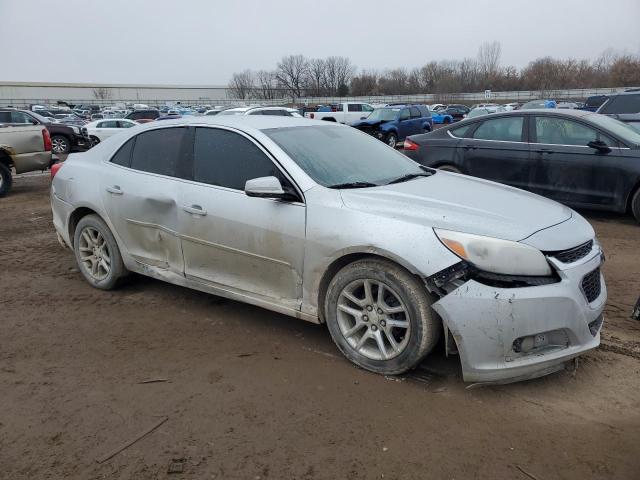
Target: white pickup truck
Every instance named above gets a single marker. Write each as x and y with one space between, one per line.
346 112
25 148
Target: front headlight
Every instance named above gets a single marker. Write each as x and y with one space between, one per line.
495 255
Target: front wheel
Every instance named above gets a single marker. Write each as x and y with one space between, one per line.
6 180
97 253
635 205
94 140
392 140
380 316
60 144
446 121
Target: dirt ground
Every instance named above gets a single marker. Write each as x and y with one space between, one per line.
251 394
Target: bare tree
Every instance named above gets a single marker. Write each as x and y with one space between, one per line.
102 93
315 75
241 85
291 73
489 59
266 87
338 72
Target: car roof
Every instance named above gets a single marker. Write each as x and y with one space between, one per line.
258 122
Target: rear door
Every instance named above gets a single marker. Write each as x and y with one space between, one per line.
245 244
140 191
497 150
404 123
570 171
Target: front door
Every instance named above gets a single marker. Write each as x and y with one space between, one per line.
141 196
497 151
241 243
570 171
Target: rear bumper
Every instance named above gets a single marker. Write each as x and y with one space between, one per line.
29 162
486 321
80 143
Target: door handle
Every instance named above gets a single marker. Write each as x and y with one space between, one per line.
544 150
115 189
470 147
194 210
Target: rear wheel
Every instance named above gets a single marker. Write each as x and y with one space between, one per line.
6 180
380 316
446 121
635 205
449 168
97 253
392 140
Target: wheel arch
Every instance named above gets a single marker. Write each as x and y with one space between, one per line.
329 119
5 156
75 217
342 261
632 193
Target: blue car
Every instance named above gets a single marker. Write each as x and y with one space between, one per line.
440 118
394 123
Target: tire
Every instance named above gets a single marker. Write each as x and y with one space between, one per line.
94 140
392 140
416 329
449 168
635 205
93 235
60 144
446 121
6 180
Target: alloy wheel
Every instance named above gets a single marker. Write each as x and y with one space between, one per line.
94 253
373 319
59 145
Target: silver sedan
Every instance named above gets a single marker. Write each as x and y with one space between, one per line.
324 223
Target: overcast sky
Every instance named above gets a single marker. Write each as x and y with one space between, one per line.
202 42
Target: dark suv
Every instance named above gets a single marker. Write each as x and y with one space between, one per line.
64 138
144 116
624 106
394 123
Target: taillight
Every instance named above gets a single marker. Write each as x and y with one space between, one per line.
46 138
312 116
54 169
409 145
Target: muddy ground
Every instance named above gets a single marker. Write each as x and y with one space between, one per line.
251 394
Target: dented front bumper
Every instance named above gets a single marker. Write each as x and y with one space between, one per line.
511 334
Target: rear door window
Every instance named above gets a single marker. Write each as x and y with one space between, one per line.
159 151
415 112
508 129
123 156
228 159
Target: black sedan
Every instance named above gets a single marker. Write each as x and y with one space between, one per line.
580 158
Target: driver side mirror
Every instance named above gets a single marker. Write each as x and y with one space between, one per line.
265 187
599 145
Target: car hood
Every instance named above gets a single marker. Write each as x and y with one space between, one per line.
461 203
370 123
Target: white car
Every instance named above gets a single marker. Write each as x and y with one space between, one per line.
325 223
275 111
100 130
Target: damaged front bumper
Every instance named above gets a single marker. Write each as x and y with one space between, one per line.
511 334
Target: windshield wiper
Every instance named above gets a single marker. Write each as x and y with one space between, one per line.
410 176
354 185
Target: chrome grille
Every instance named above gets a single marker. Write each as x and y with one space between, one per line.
573 254
591 285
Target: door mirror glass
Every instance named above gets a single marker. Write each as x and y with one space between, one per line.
264 187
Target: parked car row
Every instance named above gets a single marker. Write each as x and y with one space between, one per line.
576 157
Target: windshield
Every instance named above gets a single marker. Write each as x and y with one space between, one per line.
383 115
334 155
621 129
